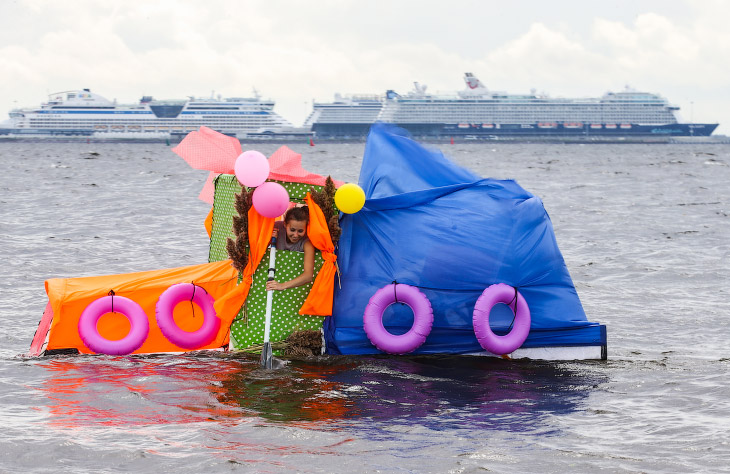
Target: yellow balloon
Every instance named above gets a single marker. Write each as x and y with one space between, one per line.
350 198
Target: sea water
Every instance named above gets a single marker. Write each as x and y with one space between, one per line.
645 232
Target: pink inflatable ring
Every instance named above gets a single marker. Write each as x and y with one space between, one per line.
500 345
422 319
166 322
140 326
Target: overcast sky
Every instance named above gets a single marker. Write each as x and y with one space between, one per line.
298 51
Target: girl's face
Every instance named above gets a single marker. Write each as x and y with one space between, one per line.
295 230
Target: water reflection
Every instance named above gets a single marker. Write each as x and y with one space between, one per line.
437 392
100 390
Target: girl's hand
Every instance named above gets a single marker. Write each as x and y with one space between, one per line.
275 232
274 285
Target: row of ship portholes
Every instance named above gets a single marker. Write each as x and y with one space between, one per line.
372 320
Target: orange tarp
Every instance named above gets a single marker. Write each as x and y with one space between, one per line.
209 223
319 301
69 297
259 237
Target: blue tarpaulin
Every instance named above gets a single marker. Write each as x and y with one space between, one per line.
433 224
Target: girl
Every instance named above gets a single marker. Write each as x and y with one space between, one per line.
291 234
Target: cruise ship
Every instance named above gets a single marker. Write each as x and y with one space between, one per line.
479 113
82 112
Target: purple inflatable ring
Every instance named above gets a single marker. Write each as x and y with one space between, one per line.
176 294
500 345
422 319
140 326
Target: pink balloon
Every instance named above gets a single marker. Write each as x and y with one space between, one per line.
270 199
251 168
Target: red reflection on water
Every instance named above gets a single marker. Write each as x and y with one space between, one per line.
84 391
117 391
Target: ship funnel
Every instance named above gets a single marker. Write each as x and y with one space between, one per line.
472 81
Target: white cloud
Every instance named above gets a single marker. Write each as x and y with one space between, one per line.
546 58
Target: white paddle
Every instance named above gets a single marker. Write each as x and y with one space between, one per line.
266 354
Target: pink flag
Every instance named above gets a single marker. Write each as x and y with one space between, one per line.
207 149
286 165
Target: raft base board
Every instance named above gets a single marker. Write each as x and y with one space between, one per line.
554 353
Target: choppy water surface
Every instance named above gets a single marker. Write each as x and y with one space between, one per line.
645 231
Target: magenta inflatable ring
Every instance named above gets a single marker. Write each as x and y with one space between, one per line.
140 325
422 319
500 345
176 294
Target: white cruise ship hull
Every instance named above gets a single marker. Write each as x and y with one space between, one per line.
83 113
478 113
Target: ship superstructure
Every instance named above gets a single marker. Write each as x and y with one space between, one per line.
82 112
346 116
478 112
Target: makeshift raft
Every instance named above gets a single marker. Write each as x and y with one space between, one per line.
427 224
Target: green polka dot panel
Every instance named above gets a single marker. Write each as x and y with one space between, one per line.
248 329
226 187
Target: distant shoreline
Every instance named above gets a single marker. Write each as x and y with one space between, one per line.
715 140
